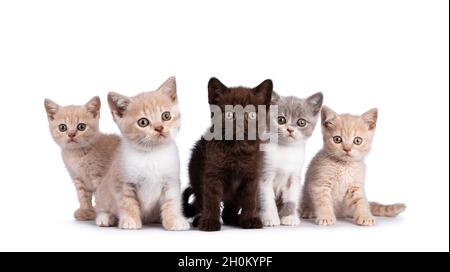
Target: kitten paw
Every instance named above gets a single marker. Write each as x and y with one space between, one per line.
209 225
84 214
365 220
129 223
291 220
176 224
326 221
105 220
251 223
270 221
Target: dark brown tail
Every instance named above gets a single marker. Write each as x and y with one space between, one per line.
189 210
387 210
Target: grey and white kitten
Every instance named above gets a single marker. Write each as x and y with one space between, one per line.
280 184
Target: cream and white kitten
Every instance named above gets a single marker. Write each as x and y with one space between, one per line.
86 152
334 185
143 184
280 185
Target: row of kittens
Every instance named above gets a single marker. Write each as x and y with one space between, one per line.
136 176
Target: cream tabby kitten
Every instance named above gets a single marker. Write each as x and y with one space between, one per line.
143 184
280 186
86 152
334 185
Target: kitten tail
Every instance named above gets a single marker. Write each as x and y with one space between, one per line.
189 210
387 210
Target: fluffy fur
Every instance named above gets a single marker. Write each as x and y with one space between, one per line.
227 170
280 185
334 184
86 152
143 184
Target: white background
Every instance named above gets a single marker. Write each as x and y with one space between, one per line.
388 54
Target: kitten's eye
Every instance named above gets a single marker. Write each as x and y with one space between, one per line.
302 123
81 126
281 120
229 115
337 139
143 122
166 116
252 115
62 127
358 141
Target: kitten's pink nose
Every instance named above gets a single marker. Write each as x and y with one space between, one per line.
72 134
290 130
347 149
159 129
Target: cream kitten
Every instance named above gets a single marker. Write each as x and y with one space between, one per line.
280 186
86 152
334 184
143 184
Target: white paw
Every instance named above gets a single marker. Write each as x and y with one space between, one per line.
291 220
129 223
326 221
176 224
269 220
104 220
365 220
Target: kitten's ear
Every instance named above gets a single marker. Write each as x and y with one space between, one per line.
169 88
275 97
51 108
328 117
315 101
118 104
265 89
371 117
93 106
215 88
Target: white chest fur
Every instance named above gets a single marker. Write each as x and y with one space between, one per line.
150 171
288 159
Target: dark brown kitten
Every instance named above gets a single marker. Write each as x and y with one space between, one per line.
227 170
